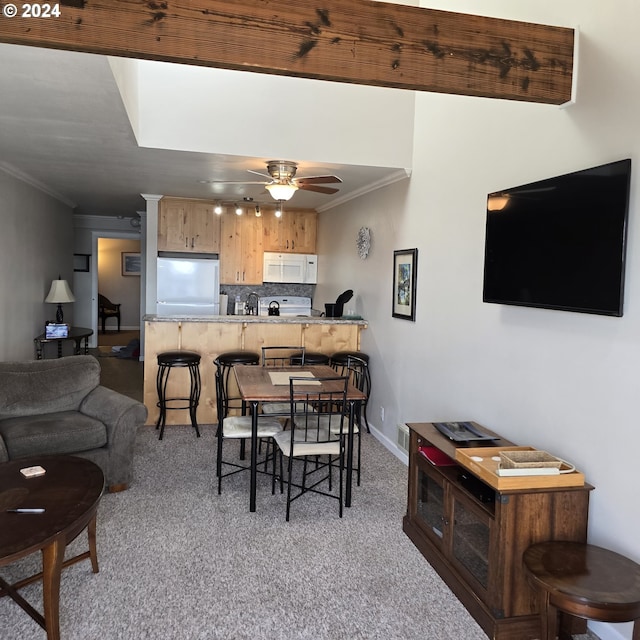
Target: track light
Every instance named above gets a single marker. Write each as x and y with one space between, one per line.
217 209
238 210
278 213
258 212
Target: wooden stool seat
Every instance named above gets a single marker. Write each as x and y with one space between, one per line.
585 581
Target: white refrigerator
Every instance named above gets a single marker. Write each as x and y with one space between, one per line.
188 287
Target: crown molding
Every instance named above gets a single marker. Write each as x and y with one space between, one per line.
36 184
392 178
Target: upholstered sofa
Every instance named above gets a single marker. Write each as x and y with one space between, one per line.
59 407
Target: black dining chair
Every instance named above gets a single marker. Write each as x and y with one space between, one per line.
315 439
234 427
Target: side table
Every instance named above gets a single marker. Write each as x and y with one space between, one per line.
585 581
69 493
77 334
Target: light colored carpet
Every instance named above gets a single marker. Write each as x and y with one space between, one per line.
177 561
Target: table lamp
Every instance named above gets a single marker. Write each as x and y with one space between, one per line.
58 294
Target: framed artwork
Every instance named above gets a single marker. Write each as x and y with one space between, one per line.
130 264
405 271
81 261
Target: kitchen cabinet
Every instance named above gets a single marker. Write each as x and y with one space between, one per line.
294 232
474 536
187 225
241 249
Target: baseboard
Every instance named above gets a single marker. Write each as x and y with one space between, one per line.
607 631
389 444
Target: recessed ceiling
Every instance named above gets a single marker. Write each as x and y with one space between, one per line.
63 127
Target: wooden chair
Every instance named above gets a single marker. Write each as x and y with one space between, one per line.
107 309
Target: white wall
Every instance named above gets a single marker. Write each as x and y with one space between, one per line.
322 121
564 382
35 248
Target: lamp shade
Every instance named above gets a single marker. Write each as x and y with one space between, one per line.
59 292
281 191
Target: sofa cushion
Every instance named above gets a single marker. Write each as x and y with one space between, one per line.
52 433
46 386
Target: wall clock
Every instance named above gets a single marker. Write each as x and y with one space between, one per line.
363 242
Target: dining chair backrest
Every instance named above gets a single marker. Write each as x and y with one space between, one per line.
282 356
359 374
318 411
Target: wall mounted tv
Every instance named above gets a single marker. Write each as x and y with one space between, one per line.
560 243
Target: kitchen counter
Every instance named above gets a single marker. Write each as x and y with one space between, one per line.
212 335
268 319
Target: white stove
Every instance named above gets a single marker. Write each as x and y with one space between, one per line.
289 306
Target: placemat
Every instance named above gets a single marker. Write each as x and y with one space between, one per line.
282 377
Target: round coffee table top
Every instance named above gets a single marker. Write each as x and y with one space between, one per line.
70 488
586 580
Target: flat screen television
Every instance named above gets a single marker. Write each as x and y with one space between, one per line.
560 243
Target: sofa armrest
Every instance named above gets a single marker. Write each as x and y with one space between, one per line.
122 417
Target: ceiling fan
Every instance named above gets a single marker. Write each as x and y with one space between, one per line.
281 182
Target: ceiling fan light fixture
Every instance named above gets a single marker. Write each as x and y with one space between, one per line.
281 191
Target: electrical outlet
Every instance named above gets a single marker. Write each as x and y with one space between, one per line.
382 414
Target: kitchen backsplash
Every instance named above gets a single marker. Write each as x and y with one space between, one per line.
267 289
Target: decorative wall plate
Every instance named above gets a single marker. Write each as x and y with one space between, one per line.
363 242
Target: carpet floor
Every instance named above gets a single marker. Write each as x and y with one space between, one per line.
177 561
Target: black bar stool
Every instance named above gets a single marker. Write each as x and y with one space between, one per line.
225 361
167 361
339 361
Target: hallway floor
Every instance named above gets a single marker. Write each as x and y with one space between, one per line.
124 375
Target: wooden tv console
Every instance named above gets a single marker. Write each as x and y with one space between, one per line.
474 536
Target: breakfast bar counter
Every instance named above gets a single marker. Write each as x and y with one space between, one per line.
212 335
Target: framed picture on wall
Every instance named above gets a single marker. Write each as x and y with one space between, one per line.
405 270
81 261
130 264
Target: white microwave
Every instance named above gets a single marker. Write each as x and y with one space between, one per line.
290 267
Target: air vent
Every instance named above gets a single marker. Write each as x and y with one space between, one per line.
403 437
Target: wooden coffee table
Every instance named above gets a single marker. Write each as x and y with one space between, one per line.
69 493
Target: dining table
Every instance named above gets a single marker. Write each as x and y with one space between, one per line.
256 387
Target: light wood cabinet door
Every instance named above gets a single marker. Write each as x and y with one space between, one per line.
294 232
203 227
172 223
188 225
241 249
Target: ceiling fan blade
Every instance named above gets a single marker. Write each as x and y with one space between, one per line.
317 180
235 182
264 175
317 189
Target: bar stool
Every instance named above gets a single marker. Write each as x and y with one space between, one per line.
225 362
167 361
339 361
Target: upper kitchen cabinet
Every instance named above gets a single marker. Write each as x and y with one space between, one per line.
188 225
241 249
294 232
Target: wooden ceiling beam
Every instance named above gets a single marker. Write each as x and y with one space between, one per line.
354 41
